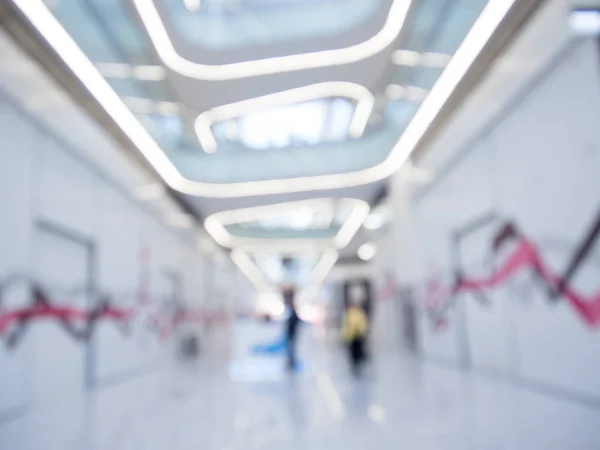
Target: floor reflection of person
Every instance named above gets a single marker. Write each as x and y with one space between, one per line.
292 324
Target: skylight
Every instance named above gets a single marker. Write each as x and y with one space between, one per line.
301 124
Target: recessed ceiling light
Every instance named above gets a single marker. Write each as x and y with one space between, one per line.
367 251
192 5
585 21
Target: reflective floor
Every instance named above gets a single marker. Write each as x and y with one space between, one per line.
401 403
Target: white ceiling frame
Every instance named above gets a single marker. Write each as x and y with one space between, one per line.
362 111
215 225
250 270
163 45
58 38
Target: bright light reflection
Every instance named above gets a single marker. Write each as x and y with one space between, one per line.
311 313
271 303
295 125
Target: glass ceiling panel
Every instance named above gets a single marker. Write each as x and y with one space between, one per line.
425 77
289 126
461 16
426 16
438 28
104 30
227 24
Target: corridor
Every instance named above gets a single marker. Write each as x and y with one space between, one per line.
396 200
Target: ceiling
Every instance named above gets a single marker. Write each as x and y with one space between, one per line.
239 104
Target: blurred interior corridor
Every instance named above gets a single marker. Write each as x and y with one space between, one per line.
299 224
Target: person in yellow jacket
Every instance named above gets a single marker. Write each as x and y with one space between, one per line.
354 331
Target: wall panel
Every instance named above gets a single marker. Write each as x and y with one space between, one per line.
549 180
502 225
104 304
16 171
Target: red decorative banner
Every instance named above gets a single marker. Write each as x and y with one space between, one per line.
525 257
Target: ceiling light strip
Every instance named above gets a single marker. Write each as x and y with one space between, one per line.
352 225
249 269
159 36
482 30
42 19
215 225
364 106
324 266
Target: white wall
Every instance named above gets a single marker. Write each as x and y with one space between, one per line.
538 168
43 180
386 320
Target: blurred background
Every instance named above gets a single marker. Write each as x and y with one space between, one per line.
299 224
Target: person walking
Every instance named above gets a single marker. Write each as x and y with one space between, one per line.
292 324
354 330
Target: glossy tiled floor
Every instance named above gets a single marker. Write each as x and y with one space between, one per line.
401 403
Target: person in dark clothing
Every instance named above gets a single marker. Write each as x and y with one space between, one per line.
291 328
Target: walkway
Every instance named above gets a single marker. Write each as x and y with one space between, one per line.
401 404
